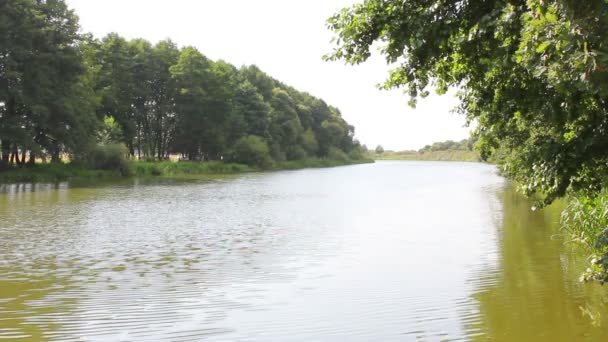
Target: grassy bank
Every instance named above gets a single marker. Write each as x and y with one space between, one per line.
447 155
316 163
169 169
54 173
63 172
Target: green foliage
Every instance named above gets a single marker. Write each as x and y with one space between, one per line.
62 92
530 74
46 101
463 145
112 157
586 220
55 172
309 142
337 154
296 153
357 153
317 163
110 131
252 150
379 149
445 155
172 169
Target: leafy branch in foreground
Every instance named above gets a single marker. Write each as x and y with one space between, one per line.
531 73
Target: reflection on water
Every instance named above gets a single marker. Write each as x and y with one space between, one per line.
533 294
391 251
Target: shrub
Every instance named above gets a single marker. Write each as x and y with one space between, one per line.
276 153
296 153
337 154
586 220
252 150
309 142
357 153
106 157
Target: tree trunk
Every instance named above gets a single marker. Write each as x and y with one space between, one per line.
16 154
55 157
32 160
6 150
23 157
55 153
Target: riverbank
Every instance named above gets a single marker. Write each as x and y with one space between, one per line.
447 155
67 171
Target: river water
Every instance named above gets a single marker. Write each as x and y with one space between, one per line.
392 251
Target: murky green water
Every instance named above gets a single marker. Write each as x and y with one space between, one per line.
403 251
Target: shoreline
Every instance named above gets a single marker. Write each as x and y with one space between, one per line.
50 173
448 155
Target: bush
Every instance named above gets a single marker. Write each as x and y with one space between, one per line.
586 220
252 150
357 153
106 157
337 154
276 153
169 168
309 142
296 153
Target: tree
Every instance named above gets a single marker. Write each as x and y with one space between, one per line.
45 96
531 74
379 149
191 74
285 126
65 92
251 112
115 85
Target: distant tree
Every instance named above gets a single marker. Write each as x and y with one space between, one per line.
379 149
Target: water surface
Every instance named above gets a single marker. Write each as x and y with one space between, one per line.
394 251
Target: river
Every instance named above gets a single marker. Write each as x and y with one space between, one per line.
392 251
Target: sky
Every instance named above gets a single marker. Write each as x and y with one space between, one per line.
287 40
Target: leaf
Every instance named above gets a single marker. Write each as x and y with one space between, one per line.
542 47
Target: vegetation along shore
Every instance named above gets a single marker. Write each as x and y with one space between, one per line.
107 105
440 151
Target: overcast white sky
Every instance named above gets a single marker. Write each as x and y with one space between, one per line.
286 39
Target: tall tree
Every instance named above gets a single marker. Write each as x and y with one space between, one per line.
192 75
41 79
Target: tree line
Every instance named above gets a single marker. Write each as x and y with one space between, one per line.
462 145
65 92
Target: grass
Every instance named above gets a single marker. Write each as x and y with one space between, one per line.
51 173
316 163
586 221
168 168
447 155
